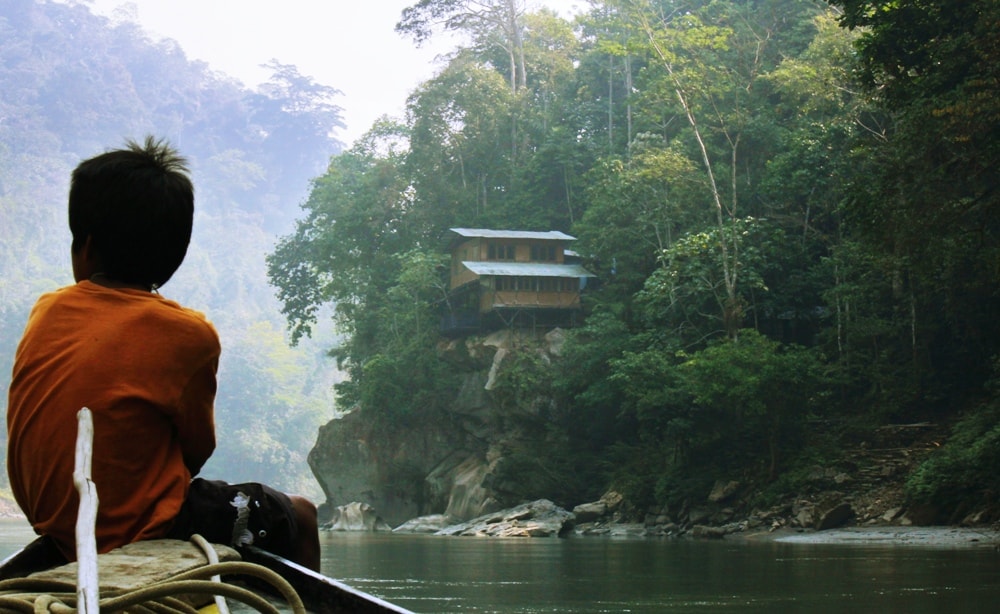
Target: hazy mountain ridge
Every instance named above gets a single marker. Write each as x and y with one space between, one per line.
73 84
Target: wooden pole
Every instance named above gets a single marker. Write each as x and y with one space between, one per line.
87 592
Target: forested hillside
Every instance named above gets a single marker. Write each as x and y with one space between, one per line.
791 206
72 85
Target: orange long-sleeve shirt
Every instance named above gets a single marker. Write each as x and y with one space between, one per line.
145 366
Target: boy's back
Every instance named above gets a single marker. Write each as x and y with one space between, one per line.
144 365
146 368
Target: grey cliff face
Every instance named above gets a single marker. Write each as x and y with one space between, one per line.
443 463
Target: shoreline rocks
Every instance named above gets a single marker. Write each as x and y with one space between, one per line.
541 518
862 489
356 517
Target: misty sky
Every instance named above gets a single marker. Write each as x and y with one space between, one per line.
346 44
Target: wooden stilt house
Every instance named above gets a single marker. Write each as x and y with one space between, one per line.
512 278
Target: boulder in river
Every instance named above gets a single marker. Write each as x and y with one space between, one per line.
834 516
426 524
541 518
589 512
356 516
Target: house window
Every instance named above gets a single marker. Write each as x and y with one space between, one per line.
543 253
500 251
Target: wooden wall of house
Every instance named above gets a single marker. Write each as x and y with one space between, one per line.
491 299
466 250
478 249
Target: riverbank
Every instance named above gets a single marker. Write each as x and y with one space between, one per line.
933 537
858 497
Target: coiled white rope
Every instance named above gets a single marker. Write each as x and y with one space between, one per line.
213 559
33 595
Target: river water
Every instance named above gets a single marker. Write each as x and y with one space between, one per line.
597 574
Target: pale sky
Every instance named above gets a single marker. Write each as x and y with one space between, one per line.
346 44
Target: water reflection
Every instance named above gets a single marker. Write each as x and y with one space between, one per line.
14 533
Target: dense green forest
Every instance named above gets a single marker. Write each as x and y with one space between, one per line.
791 207
72 85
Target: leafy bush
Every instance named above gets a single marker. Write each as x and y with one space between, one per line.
964 471
523 381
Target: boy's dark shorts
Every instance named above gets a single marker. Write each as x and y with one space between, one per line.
237 515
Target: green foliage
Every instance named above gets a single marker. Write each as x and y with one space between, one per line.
962 473
642 473
396 372
752 393
343 246
651 393
544 465
688 293
928 202
636 211
523 381
591 400
385 387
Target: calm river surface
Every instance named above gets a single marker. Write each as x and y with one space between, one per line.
590 575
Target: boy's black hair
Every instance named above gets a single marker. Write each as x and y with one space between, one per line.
137 206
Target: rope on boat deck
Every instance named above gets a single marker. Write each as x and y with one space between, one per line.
36 596
39 596
212 557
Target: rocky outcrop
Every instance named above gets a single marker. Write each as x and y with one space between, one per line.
723 491
426 524
590 512
540 518
463 484
354 462
835 515
9 508
446 461
356 516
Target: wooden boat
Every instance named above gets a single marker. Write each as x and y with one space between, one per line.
180 567
320 593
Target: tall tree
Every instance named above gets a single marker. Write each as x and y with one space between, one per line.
460 145
487 22
712 57
345 242
637 210
930 199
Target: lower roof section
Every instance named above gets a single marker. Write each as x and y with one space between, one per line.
526 269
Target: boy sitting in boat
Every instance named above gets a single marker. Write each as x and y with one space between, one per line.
146 368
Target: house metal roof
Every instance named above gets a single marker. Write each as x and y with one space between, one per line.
512 234
526 269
